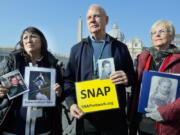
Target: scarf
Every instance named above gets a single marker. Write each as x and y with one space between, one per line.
160 55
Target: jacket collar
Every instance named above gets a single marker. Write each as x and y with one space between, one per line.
108 39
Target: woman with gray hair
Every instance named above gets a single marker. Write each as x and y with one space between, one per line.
163 57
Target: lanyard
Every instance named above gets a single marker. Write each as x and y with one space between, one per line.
95 62
165 63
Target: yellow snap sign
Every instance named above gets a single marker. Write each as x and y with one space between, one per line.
96 95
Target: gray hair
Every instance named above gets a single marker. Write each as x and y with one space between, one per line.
167 24
101 8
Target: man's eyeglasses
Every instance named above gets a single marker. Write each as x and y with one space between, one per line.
159 32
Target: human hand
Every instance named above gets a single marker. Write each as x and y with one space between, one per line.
119 77
154 114
76 112
3 91
58 89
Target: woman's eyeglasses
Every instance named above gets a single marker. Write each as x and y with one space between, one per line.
159 32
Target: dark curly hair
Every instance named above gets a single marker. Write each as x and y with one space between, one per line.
42 37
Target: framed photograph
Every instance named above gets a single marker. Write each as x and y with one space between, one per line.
162 91
15 84
40 82
158 89
105 67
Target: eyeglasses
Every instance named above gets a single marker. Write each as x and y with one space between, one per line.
159 32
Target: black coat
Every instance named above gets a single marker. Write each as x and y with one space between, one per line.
80 68
14 90
16 60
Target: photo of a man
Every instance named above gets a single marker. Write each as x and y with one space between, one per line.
106 67
14 82
15 87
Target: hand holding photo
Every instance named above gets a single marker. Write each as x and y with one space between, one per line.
15 84
40 82
158 89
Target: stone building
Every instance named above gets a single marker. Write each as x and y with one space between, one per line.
135 45
116 33
4 51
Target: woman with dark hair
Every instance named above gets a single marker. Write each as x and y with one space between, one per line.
16 119
34 30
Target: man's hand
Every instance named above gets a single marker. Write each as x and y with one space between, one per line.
154 114
119 77
3 91
75 111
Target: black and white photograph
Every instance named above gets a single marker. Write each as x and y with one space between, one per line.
15 84
106 67
39 81
162 91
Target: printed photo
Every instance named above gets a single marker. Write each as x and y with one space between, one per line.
158 89
15 84
105 67
162 92
39 85
40 82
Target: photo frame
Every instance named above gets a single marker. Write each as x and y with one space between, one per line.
40 82
158 89
105 67
15 84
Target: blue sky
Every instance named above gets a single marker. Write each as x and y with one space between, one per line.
58 19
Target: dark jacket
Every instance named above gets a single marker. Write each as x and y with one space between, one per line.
170 112
16 60
80 68
14 90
